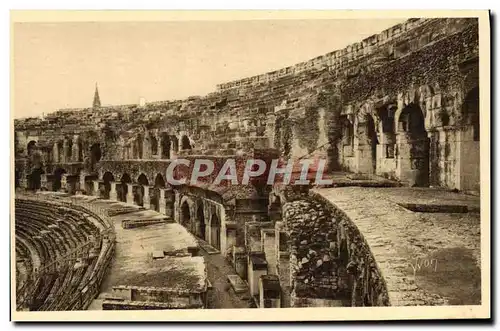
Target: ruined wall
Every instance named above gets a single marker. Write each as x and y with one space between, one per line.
330 262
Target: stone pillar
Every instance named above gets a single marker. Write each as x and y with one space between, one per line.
146 199
162 202
112 192
96 191
64 183
130 193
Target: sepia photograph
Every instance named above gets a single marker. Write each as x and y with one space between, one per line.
295 166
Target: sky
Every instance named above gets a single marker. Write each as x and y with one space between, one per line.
56 65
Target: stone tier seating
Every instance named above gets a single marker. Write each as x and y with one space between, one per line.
63 251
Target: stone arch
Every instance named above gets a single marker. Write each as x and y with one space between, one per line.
185 143
107 178
155 194
124 180
165 145
56 183
215 231
142 180
413 146
31 147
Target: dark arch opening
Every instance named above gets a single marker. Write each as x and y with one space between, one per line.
124 187
201 222
56 184
155 194
215 231
185 143
142 180
35 179
471 111
31 147
154 145
107 178
165 146
185 215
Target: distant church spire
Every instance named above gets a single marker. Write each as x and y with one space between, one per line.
97 100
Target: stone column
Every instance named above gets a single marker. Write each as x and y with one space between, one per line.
95 191
146 202
112 193
130 193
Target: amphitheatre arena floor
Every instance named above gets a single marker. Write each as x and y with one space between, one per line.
430 257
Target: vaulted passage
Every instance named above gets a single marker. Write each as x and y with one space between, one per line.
413 147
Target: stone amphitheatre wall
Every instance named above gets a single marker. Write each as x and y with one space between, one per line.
321 109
